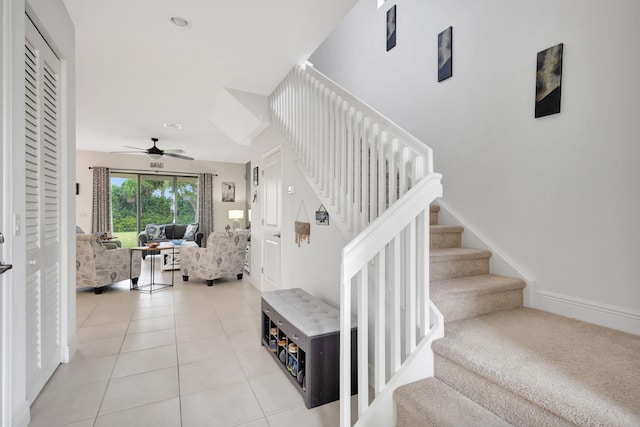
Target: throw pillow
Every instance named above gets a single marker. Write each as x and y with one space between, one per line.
155 232
190 232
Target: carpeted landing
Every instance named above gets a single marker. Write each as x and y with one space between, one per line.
503 364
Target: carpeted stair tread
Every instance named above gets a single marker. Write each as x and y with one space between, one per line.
441 229
430 402
582 373
465 287
451 254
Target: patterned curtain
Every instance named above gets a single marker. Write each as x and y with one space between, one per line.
205 205
101 220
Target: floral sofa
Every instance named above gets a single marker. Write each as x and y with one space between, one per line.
166 232
98 266
223 257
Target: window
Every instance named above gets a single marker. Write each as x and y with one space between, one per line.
139 199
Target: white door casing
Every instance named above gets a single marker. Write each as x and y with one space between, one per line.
271 218
42 211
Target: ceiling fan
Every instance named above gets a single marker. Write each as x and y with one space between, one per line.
155 152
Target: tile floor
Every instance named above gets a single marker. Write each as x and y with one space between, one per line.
184 356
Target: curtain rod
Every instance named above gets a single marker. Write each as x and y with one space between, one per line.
143 172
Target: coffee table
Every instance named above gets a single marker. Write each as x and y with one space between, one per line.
171 261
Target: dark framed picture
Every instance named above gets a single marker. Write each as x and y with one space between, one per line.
255 176
549 81
445 54
228 192
391 28
322 216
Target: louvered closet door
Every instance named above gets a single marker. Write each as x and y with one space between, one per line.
42 219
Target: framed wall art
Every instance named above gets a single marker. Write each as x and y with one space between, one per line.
228 191
255 176
549 81
391 28
322 216
445 54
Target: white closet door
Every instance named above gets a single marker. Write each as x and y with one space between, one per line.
42 216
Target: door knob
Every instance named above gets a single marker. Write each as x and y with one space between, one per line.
1 238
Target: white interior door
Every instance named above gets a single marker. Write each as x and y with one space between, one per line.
271 219
42 212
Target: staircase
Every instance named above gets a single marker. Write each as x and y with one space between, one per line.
502 364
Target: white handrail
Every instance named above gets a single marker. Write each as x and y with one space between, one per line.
377 181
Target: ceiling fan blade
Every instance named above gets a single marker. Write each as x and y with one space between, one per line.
174 151
135 148
127 152
179 156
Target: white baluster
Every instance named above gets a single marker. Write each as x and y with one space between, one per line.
379 324
363 340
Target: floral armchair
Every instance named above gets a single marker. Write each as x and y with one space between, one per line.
98 266
223 256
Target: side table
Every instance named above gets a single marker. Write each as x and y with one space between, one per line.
152 286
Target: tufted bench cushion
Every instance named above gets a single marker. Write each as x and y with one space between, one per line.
307 313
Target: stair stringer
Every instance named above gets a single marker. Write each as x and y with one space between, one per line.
500 263
419 365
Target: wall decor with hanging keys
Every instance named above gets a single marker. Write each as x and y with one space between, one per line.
303 229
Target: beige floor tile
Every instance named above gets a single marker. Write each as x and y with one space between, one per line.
85 423
275 393
146 340
211 373
80 371
195 317
153 311
100 347
54 408
101 318
160 414
257 362
239 309
106 330
244 342
140 389
224 406
152 359
152 324
259 423
321 416
198 331
203 349
241 325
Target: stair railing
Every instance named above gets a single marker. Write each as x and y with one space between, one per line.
378 181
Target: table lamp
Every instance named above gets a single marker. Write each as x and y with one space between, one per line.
236 216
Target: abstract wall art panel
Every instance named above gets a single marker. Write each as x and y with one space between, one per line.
391 28
549 81
445 54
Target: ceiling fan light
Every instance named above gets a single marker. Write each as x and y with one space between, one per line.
154 156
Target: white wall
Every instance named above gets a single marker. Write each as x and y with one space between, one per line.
313 266
54 23
558 195
227 172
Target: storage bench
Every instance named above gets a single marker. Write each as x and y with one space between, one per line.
303 334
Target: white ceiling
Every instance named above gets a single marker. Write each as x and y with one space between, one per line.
136 71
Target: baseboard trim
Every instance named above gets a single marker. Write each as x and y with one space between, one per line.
610 316
22 417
